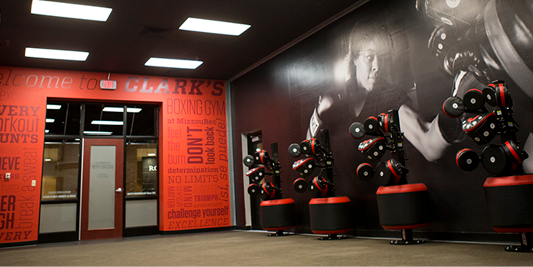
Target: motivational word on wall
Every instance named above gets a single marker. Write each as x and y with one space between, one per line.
197 191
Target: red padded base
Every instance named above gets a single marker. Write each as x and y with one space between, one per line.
509 180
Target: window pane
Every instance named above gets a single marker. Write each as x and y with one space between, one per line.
141 120
102 187
103 120
57 217
141 168
60 170
62 118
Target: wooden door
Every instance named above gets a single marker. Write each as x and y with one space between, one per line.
102 192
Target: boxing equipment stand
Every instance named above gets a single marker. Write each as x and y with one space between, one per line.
329 214
276 213
401 206
509 193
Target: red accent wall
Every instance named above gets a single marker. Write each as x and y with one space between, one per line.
193 157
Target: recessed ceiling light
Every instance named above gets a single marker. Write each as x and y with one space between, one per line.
117 109
53 106
107 122
214 26
49 120
66 10
97 133
56 54
173 63
151 154
133 110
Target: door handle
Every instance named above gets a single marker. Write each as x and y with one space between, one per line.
119 190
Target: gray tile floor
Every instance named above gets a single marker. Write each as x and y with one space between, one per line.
253 248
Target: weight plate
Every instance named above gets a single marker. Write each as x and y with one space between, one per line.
494 160
357 130
467 159
453 107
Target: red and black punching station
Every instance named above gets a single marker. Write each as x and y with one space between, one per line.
509 193
329 214
401 206
276 213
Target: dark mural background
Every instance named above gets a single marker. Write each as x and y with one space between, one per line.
430 50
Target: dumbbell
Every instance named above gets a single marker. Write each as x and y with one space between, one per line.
254 189
373 148
300 185
365 171
453 107
295 150
501 159
496 94
319 187
385 122
261 157
357 130
467 159
481 128
390 172
310 146
256 174
269 191
304 166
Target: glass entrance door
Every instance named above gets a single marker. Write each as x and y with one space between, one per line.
102 192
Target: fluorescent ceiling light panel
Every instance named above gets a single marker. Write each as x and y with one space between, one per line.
113 109
74 11
97 133
53 106
173 63
117 109
151 154
48 120
107 122
133 110
56 54
214 26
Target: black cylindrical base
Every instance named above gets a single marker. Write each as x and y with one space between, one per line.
278 214
330 215
509 200
403 206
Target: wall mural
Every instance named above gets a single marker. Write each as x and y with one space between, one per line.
193 156
409 56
